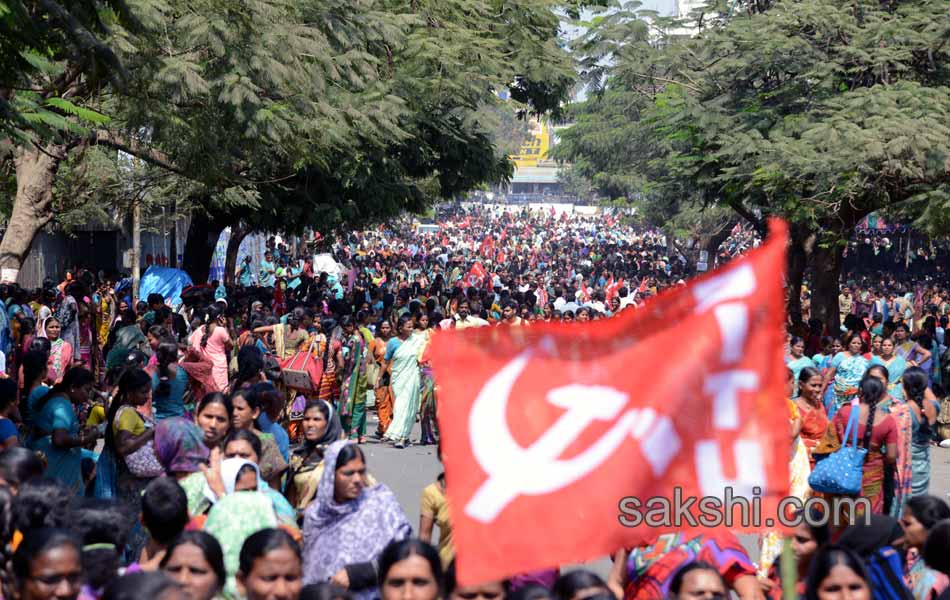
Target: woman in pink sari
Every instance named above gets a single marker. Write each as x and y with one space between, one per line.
212 341
60 353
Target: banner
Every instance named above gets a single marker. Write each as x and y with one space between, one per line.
552 433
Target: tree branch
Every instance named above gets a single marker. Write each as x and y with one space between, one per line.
746 214
136 148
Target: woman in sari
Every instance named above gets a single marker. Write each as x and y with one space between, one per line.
353 398
128 337
919 518
402 356
847 369
427 406
232 520
180 447
291 337
107 312
321 427
924 409
333 362
830 347
814 420
226 476
348 525
384 397
895 364
897 477
68 313
57 432
877 433
796 360
128 430
60 352
798 472
213 341
246 409
169 382
88 340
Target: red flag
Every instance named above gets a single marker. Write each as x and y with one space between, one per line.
613 288
476 275
547 429
542 297
585 291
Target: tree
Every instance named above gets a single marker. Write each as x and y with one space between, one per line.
322 113
817 111
444 70
53 59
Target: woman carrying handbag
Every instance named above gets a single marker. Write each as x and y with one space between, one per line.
859 470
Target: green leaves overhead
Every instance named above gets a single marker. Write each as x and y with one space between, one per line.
819 111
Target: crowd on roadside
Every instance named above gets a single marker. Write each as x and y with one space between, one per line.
218 443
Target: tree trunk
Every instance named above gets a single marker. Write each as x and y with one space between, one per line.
801 245
826 273
711 243
238 233
32 207
173 237
202 238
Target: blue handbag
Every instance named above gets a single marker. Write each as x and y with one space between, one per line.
841 472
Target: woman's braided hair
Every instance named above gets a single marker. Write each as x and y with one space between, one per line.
872 390
915 382
211 319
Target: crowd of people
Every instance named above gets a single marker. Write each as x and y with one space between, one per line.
215 448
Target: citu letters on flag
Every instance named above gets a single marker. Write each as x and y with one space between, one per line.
545 429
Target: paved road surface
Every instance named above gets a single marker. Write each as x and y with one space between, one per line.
409 470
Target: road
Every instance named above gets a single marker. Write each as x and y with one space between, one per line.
409 470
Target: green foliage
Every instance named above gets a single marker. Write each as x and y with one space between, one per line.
51 50
819 111
281 114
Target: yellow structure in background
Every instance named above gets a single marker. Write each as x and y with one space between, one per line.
535 148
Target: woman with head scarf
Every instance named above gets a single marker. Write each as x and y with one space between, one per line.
230 475
180 448
232 520
348 525
320 427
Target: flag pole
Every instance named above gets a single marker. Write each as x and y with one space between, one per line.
788 570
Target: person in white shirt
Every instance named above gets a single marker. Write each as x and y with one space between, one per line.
464 319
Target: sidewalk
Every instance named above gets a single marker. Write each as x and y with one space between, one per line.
940 472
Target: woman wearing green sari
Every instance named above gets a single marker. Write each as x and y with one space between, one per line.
355 382
895 364
402 356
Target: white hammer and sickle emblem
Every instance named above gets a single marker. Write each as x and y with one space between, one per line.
514 470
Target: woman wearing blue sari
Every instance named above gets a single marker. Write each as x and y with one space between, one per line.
924 410
847 369
829 348
56 430
796 361
895 364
